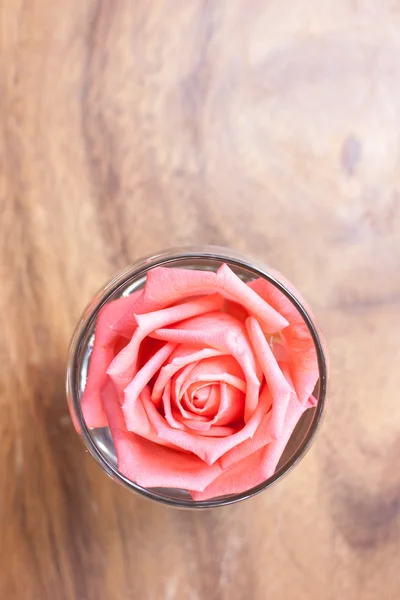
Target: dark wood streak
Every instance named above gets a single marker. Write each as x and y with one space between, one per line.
351 154
366 520
67 512
100 141
366 514
355 304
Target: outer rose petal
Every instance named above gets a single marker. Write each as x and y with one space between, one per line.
139 423
149 464
237 290
123 367
225 333
102 354
165 286
278 386
299 343
241 477
295 410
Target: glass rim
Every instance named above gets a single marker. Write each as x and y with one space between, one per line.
120 281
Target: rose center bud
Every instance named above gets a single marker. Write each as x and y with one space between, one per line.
206 397
200 396
202 399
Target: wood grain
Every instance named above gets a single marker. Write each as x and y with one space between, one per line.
271 127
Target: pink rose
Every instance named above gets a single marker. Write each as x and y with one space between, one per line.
201 379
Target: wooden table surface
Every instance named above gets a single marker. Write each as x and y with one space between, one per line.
268 126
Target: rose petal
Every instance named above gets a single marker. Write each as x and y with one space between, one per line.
131 406
196 425
275 450
220 368
123 367
231 405
299 343
284 366
127 324
261 437
225 333
105 341
312 401
149 464
227 378
169 416
140 423
238 291
216 431
279 388
179 380
278 348
165 286
241 477
236 310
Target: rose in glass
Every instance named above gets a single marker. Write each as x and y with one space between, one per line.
201 378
